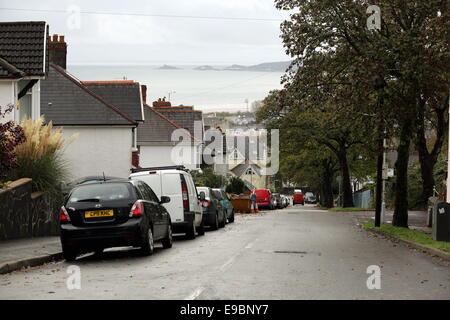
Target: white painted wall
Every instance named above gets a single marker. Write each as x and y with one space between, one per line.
153 156
98 150
7 96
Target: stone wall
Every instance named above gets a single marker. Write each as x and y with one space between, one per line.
26 214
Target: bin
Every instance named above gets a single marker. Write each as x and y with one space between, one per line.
241 205
441 221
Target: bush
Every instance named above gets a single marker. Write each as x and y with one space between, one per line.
40 157
236 186
11 135
208 178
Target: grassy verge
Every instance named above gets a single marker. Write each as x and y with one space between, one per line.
350 209
411 235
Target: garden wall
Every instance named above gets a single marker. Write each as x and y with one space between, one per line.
25 214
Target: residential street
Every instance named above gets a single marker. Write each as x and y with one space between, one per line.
296 253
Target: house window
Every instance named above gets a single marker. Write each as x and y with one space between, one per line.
250 172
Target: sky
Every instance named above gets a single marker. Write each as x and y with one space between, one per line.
159 31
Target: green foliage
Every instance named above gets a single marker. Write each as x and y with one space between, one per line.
411 235
40 156
47 172
208 178
235 185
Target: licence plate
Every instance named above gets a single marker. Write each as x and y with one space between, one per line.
99 213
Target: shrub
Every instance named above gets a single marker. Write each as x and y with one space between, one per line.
40 156
11 135
236 186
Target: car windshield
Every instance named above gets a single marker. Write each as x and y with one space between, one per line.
100 192
309 194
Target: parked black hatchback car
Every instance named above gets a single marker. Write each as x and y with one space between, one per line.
113 213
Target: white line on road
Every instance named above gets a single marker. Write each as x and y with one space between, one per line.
194 295
250 245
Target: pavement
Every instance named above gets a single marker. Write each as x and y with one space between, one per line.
295 253
16 254
416 219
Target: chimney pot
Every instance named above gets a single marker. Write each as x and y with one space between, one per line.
61 38
55 38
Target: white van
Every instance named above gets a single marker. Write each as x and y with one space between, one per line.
184 207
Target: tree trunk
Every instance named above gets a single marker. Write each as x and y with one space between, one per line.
327 186
345 172
400 218
379 186
428 159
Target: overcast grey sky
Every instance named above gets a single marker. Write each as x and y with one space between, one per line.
122 38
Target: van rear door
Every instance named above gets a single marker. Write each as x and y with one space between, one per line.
171 187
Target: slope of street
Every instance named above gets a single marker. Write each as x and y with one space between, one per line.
296 253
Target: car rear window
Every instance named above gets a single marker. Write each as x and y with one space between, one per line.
101 192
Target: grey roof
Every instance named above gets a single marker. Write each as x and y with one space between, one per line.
66 101
126 95
156 127
23 49
185 117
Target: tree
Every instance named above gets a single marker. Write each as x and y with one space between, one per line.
394 72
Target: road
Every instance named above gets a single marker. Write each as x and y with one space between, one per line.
295 253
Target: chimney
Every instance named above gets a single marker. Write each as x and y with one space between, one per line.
57 50
144 93
161 103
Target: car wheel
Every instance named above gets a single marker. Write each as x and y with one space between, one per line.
148 243
192 231
168 240
215 224
231 220
201 229
69 254
224 219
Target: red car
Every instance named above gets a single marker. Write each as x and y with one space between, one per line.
264 198
298 197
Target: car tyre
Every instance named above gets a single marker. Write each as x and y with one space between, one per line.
148 245
224 220
231 220
191 233
69 254
215 224
167 242
201 229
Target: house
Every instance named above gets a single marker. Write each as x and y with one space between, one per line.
23 65
158 138
158 147
106 131
247 156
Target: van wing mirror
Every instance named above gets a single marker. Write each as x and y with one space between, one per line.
201 196
164 199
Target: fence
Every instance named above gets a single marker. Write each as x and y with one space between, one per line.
362 198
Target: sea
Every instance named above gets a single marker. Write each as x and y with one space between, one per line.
208 90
